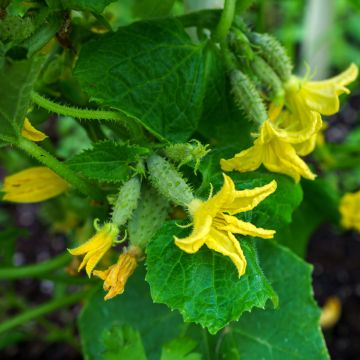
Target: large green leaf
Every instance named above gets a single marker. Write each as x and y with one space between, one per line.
17 80
155 323
122 342
107 161
204 286
292 331
180 349
320 205
147 9
150 71
96 6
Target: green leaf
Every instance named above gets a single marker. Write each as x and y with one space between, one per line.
150 71
107 161
155 323
320 205
96 6
180 349
292 331
234 129
123 342
17 80
147 9
204 286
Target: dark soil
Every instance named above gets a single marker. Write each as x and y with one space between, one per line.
336 263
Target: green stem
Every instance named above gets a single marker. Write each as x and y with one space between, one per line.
226 19
35 270
42 310
74 112
58 167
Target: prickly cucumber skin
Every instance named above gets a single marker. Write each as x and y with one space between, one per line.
126 201
247 97
168 181
147 217
274 53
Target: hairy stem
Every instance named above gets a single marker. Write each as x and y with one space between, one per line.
35 270
74 112
59 168
42 310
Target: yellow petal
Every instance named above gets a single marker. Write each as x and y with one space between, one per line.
323 96
195 240
93 243
246 200
226 244
281 157
31 133
116 276
350 211
237 226
33 185
247 160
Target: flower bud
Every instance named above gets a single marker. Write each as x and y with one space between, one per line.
126 201
247 98
168 181
185 153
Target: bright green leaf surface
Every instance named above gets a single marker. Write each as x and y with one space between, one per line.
155 323
204 286
107 161
17 80
152 72
123 342
96 6
292 331
180 349
147 9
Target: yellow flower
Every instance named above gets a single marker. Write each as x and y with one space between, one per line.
320 96
214 223
294 127
350 211
30 133
95 248
33 185
116 276
271 151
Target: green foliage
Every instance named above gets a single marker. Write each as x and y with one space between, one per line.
134 308
114 70
83 5
152 8
180 349
122 342
107 161
18 78
266 334
204 286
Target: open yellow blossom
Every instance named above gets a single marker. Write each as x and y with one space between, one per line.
33 185
350 211
95 248
294 127
116 276
273 152
320 96
31 133
215 225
